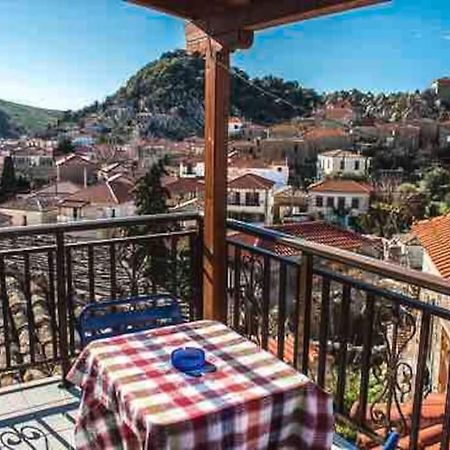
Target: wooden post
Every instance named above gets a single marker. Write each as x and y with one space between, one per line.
217 92
217 81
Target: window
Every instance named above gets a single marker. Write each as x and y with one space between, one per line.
341 202
237 198
355 203
342 164
356 165
319 201
330 202
252 198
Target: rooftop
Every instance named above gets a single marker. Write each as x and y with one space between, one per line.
251 181
116 190
316 231
434 235
341 154
341 185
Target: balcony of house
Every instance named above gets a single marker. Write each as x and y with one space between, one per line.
370 333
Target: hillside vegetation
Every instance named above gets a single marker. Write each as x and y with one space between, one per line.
165 99
18 119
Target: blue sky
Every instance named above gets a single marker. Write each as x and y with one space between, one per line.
65 54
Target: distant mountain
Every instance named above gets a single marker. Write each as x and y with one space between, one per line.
165 99
16 119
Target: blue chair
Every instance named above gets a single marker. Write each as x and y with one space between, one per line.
390 443
105 319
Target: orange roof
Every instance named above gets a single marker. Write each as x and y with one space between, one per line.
433 235
250 181
116 190
340 185
315 231
184 185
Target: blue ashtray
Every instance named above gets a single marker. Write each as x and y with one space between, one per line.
191 361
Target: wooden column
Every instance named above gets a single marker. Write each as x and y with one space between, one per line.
217 88
216 52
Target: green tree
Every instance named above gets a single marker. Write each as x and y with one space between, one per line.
151 198
436 183
65 146
9 181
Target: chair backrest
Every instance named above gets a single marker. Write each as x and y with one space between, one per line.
111 318
391 441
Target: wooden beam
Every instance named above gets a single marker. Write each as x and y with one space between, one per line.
197 41
265 14
217 88
217 17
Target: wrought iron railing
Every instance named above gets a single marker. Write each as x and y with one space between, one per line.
367 331
48 273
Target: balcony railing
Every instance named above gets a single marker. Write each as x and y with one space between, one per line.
368 332
48 273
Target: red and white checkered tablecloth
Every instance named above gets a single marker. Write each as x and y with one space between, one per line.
134 399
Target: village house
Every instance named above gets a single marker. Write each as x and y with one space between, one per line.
338 197
77 169
277 171
251 198
394 135
235 126
444 135
341 111
441 88
433 235
108 198
326 138
192 167
119 167
31 210
34 162
342 162
182 190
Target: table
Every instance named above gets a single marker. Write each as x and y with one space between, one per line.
134 399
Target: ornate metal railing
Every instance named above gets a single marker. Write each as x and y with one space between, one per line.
48 273
367 331
372 333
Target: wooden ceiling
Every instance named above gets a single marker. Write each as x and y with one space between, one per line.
221 16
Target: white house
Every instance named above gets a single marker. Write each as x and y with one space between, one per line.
235 126
342 162
192 167
251 198
330 197
276 171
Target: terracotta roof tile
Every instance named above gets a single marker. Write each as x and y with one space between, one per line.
340 185
433 235
315 231
116 190
182 186
251 181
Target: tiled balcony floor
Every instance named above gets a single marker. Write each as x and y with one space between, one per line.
41 416
38 415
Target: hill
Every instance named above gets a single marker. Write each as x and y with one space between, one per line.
165 99
16 119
